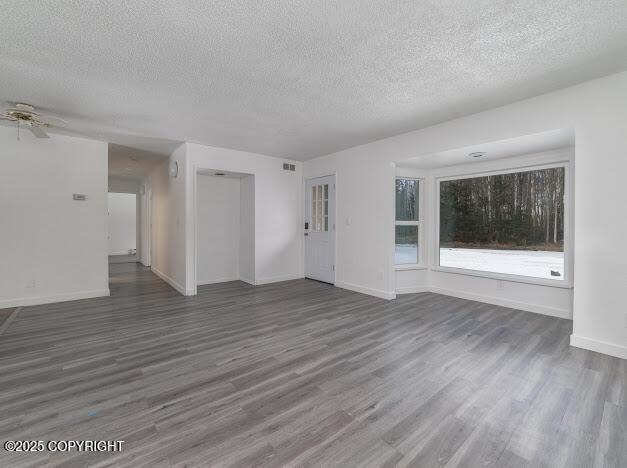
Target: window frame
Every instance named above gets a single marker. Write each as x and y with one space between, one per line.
420 260
566 282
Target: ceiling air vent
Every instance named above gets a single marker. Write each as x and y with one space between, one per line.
289 167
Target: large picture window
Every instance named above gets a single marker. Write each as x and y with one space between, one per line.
407 228
505 223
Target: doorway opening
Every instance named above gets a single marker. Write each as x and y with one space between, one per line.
122 223
320 229
225 227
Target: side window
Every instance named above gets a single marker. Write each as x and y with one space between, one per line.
407 225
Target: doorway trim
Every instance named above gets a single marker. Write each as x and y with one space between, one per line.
192 288
148 227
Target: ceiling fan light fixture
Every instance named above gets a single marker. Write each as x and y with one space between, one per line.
24 107
25 115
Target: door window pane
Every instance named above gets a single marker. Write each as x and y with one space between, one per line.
320 207
312 221
406 250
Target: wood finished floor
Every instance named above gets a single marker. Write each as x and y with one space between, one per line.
302 373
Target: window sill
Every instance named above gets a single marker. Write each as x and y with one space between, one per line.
505 277
409 266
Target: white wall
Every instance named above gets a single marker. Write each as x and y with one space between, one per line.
412 280
364 219
277 210
247 230
168 215
278 249
594 110
122 223
52 248
218 225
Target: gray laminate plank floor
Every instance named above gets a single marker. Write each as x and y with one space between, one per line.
122 259
304 374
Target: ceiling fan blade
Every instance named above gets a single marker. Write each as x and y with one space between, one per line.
53 120
38 131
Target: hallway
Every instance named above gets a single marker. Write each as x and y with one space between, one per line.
132 278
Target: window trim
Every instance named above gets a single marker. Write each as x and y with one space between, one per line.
420 261
566 282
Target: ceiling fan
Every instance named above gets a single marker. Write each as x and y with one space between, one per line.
25 115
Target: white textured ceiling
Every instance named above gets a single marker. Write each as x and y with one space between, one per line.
294 78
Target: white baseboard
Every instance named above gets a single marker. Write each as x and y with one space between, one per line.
412 290
36 300
603 347
118 252
215 281
276 279
360 289
170 281
273 279
536 308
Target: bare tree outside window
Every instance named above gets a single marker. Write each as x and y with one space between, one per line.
505 223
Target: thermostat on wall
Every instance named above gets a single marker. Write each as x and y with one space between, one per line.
80 196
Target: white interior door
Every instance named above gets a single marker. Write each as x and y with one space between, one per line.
320 229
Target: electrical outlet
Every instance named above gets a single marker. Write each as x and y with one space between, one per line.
31 285
500 285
